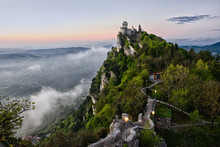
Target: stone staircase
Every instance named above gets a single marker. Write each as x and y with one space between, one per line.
117 136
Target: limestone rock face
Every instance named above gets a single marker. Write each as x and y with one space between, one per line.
130 51
94 99
104 81
119 43
140 45
93 110
112 74
140 117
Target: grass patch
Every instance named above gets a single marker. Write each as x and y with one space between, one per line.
147 125
180 118
199 136
164 112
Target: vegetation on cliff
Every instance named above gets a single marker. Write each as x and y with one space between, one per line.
190 81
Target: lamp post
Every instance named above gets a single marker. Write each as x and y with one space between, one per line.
155 93
126 119
153 112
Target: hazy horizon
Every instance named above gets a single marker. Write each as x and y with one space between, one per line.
180 42
62 23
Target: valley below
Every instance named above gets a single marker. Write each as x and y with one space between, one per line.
57 80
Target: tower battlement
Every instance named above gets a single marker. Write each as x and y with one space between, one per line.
129 31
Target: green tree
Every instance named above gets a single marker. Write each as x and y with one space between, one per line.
205 55
215 69
179 97
211 99
201 65
84 138
195 117
174 78
168 78
195 87
148 139
81 138
133 99
10 115
202 70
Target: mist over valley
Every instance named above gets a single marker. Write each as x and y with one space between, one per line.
56 79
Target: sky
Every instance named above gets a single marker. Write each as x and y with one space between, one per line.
35 23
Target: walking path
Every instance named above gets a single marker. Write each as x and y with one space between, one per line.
203 122
151 86
187 125
117 137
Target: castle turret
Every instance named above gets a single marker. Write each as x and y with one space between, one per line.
139 28
126 34
124 27
125 24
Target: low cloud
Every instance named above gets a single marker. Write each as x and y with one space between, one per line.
34 68
189 19
48 101
216 30
54 83
25 76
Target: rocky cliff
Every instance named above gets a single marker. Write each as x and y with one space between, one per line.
116 89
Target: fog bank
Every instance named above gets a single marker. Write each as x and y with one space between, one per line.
57 82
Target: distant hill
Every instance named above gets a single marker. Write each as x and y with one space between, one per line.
214 48
20 54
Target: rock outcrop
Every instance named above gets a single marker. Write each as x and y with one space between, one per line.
104 81
132 140
94 98
112 74
119 43
115 131
130 51
119 128
140 117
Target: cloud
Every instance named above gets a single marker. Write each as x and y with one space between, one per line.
25 76
54 83
189 19
216 30
34 68
48 101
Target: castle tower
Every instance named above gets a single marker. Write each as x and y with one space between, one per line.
124 27
139 28
125 24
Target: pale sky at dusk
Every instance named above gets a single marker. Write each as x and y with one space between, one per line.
51 22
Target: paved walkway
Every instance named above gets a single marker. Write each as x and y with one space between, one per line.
187 125
111 141
151 86
203 122
149 109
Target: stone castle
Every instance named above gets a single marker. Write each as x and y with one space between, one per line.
129 31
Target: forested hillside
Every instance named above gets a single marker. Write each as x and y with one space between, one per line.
190 81
214 48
